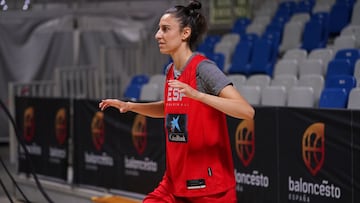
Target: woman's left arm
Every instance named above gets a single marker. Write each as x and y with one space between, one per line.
229 100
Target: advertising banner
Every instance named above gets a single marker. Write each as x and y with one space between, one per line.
254 146
95 150
282 155
117 150
315 162
143 153
44 127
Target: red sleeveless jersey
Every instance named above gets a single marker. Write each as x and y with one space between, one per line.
198 154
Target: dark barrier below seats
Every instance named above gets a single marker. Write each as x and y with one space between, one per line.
283 155
118 151
45 128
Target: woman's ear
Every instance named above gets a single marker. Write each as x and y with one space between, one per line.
186 33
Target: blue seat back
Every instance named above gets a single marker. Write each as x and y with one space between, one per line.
351 54
339 67
275 39
286 7
333 98
340 16
251 37
240 25
312 36
133 91
305 6
218 58
261 60
139 79
241 58
346 82
323 18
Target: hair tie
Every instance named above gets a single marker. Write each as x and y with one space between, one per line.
191 12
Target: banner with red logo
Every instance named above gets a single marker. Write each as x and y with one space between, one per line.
315 155
283 155
117 150
255 149
95 150
143 153
44 125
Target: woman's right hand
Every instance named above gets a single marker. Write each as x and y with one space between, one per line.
121 105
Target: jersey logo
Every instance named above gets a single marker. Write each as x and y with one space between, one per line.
176 127
174 95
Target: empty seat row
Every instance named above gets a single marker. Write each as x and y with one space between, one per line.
321 62
284 90
298 96
286 82
252 87
145 88
301 96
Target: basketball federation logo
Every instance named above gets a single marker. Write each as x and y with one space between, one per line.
313 147
29 124
97 130
245 141
61 126
139 134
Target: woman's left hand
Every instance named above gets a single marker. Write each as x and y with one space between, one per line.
185 89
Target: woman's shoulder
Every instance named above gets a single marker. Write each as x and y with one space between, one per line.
208 65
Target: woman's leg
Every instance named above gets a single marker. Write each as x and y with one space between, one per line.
161 194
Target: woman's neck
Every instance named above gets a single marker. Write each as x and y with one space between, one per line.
181 58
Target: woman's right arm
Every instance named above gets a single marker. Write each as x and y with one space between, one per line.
151 109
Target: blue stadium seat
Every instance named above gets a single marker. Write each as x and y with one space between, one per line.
252 37
218 58
346 82
305 6
139 79
352 54
277 23
133 91
241 58
333 98
283 12
313 36
277 27
213 39
348 2
275 39
340 16
339 67
261 60
287 7
323 18
207 46
240 25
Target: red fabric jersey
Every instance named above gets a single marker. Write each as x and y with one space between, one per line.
198 154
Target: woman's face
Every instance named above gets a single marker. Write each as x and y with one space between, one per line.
169 35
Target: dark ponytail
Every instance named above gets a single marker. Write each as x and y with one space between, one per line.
190 16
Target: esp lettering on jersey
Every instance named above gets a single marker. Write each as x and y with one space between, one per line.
174 94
